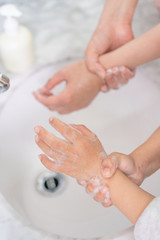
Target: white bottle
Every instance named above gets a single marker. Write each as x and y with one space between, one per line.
16 42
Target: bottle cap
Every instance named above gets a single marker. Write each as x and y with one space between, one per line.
10 11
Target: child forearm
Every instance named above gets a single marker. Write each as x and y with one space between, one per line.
141 50
130 199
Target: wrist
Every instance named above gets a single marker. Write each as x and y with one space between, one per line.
138 174
95 79
120 12
109 60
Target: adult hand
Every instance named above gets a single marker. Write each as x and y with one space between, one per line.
126 163
105 40
114 30
81 88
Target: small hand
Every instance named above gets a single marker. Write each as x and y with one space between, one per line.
109 165
116 77
126 163
81 88
78 156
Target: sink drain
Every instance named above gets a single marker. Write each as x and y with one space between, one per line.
50 183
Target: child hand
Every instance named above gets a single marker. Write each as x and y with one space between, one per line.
116 77
79 155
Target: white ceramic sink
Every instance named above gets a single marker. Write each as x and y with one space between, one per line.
121 119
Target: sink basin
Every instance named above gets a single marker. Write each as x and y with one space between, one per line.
121 119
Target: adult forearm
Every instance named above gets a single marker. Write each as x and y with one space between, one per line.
120 11
136 52
147 156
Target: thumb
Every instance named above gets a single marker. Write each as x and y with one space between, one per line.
108 167
92 62
52 82
124 162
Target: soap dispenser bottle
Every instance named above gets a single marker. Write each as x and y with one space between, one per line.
16 42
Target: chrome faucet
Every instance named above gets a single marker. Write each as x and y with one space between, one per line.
4 83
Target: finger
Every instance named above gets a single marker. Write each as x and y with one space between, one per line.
109 74
84 130
110 79
66 130
120 78
50 100
92 184
53 141
49 164
60 110
92 62
44 99
90 188
126 72
101 194
107 202
44 92
82 182
117 76
124 162
52 82
108 167
124 80
59 157
104 88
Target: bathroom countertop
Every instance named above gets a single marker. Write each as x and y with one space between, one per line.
56 24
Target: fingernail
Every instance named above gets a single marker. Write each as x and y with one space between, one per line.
51 119
106 200
95 181
104 88
82 182
114 161
37 130
100 74
40 157
107 195
106 172
104 190
95 191
36 139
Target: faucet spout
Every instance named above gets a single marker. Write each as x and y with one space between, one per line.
4 83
